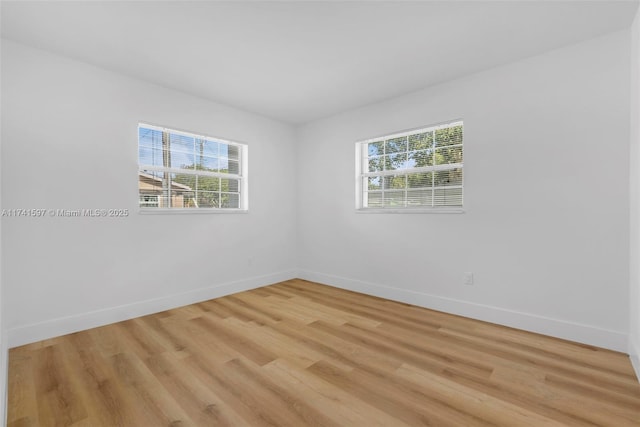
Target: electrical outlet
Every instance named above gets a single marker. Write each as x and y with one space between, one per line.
468 278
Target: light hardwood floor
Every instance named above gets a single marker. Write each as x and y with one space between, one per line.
298 353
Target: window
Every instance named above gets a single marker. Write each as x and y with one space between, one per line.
181 170
420 169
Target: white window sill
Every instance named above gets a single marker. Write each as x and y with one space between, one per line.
411 211
189 211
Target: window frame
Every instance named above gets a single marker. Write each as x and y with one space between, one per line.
362 173
241 176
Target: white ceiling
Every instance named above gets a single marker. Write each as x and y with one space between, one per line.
300 61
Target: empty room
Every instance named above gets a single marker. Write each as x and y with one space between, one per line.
320 213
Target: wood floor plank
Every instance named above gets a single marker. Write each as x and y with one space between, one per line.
298 353
242 344
485 406
288 407
156 406
24 409
193 395
614 377
409 403
237 399
336 403
94 381
279 343
429 358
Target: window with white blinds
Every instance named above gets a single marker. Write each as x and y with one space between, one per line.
183 171
419 169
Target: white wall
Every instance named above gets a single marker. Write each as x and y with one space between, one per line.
634 194
4 355
69 135
4 348
4 344
546 226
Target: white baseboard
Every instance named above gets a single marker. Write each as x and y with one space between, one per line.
634 356
585 334
4 377
65 325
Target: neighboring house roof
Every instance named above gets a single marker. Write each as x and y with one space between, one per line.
153 182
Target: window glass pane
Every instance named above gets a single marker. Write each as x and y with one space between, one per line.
184 181
419 180
149 188
398 161
233 152
419 197
157 184
150 138
182 151
229 185
232 166
149 147
420 141
206 147
421 158
448 155
148 201
449 136
181 189
188 199
396 145
152 178
206 155
448 178
208 199
224 150
375 148
163 202
181 143
209 164
395 182
229 200
447 197
374 183
149 156
374 200
208 183
388 163
223 164
376 164
393 199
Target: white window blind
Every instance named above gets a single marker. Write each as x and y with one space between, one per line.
419 169
181 170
